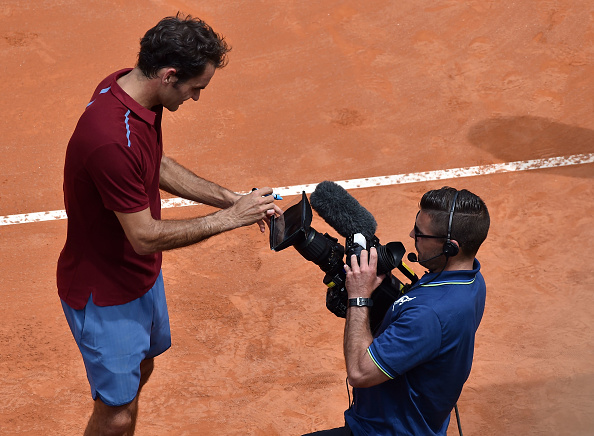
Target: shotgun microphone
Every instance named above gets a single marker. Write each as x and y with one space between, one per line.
341 211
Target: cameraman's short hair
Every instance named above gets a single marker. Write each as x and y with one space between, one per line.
471 220
182 42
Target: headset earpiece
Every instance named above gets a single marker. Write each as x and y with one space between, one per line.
449 248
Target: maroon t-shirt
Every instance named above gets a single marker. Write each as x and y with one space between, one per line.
112 164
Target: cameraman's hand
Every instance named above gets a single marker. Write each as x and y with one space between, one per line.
362 278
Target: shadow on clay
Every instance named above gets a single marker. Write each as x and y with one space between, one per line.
560 405
523 138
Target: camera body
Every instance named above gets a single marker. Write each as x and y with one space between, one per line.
293 228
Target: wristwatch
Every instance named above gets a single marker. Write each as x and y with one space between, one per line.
360 301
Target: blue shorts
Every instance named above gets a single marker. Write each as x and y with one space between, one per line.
113 340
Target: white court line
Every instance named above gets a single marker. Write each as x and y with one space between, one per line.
481 170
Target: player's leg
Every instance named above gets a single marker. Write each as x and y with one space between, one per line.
118 344
110 420
115 421
146 369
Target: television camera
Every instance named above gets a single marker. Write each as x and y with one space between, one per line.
293 228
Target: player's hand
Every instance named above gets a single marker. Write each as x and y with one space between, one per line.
275 211
256 207
361 277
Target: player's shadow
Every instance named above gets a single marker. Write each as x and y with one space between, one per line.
525 138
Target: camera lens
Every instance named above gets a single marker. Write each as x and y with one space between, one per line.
322 250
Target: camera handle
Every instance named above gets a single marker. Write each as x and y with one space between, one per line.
390 290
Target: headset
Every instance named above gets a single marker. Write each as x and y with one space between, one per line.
449 248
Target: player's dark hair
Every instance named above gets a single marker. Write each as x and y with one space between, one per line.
182 42
470 223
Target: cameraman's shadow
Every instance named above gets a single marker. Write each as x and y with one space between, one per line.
525 138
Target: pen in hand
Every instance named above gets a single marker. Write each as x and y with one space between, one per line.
275 196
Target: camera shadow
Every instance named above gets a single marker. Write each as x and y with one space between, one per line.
525 137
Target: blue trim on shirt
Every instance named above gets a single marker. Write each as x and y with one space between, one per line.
375 360
103 91
451 282
128 127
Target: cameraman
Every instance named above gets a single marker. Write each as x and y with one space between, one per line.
407 379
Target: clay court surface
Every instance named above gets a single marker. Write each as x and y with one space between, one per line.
332 90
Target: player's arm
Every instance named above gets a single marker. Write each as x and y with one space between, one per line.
178 180
148 235
361 281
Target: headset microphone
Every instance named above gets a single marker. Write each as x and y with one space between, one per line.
412 257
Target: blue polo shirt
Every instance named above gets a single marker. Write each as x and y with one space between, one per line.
425 345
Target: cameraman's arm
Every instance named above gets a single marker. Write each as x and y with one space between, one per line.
361 281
